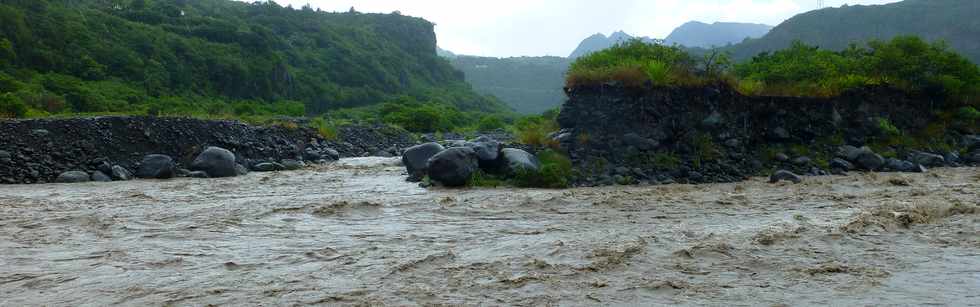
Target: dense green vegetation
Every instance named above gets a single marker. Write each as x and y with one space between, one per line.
529 85
634 63
905 62
953 21
216 58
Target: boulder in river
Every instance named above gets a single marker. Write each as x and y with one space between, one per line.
453 167
869 160
927 159
121 173
784 175
73 177
841 164
157 167
99 176
516 160
416 159
216 162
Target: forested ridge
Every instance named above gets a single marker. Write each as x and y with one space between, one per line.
215 57
953 21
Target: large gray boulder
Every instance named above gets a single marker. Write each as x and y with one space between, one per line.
487 150
416 159
869 160
99 176
515 161
850 153
157 167
216 162
927 159
453 167
72 177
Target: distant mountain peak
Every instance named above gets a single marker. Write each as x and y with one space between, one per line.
704 35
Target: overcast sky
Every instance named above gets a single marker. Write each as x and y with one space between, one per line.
555 27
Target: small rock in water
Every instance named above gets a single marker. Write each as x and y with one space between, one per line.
268 167
292 165
198 174
73 177
241 169
782 175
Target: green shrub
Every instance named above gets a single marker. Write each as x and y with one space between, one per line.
11 106
482 179
327 129
491 122
633 63
886 128
555 173
536 131
666 160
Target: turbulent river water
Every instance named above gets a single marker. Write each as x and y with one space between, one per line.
355 233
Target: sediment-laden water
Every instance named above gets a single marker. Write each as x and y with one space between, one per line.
355 233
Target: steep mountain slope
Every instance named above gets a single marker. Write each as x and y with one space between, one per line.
529 85
699 34
954 21
217 57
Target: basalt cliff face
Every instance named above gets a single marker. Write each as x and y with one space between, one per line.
615 134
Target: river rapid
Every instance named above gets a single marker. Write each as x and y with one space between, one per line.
355 233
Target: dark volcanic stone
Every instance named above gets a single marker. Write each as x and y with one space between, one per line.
516 160
416 159
73 177
869 160
216 162
292 165
782 175
927 159
487 150
453 167
121 173
99 176
157 167
838 163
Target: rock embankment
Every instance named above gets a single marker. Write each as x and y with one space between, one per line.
120 148
615 134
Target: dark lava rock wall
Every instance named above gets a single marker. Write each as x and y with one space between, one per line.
661 134
38 150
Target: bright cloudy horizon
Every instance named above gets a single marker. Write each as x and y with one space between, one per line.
505 28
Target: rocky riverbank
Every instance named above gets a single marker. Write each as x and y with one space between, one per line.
41 150
615 134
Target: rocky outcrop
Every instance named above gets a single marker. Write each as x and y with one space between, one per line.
714 134
157 167
38 150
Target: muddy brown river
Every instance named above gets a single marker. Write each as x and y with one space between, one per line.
355 233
